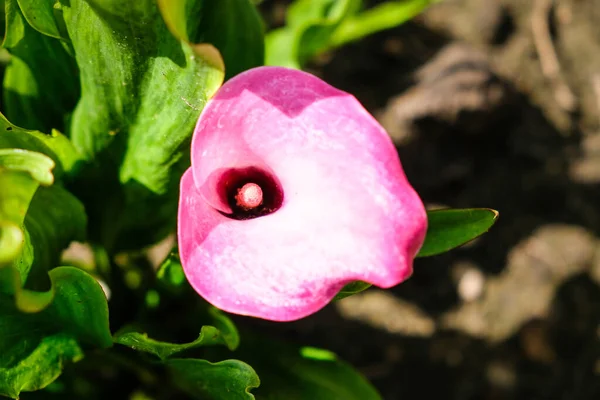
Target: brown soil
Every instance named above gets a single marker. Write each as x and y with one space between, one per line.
492 103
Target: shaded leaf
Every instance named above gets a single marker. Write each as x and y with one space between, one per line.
54 219
298 373
40 367
448 229
209 336
41 84
35 347
224 380
171 272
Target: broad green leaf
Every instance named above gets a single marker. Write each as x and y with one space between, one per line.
41 84
451 228
142 93
35 347
222 333
225 380
298 373
234 27
55 145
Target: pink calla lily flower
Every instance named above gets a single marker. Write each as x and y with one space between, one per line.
294 191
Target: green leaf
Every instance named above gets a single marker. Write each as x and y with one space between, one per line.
315 26
54 219
234 27
170 272
45 219
21 173
209 336
310 25
383 16
11 243
451 228
41 84
41 367
142 93
56 146
45 16
298 373
35 347
225 380
37 165
351 289
223 332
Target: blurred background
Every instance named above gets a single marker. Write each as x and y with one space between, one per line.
491 103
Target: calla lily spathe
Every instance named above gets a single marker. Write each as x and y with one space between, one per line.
335 204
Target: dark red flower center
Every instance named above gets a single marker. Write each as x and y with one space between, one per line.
250 192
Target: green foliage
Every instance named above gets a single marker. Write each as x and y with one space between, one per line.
298 373
35 347
55 145
203 380
224 333
37 223
41 75
352 288
451 228
142 91
241 44
315 26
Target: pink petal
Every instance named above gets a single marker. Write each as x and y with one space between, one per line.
348 212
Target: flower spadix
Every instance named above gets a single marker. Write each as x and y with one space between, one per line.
294 191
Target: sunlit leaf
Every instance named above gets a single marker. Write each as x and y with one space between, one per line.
142 92
54 145
448 229
310 24
45 217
